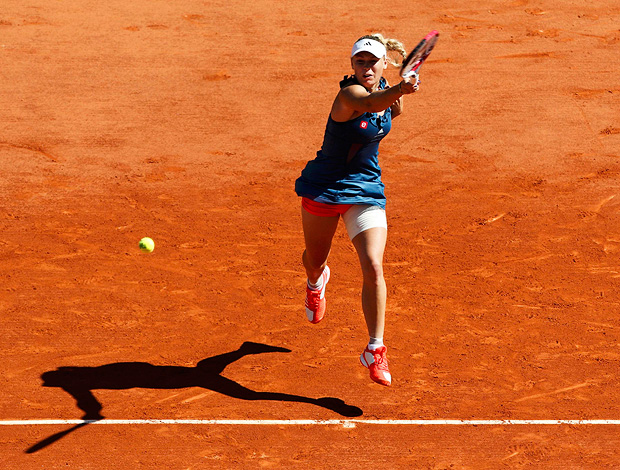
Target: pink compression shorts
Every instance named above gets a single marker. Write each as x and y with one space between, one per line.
324 210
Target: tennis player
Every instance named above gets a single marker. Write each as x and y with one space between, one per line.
344 180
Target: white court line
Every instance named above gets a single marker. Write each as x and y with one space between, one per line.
347 423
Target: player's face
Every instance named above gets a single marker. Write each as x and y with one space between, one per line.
368 69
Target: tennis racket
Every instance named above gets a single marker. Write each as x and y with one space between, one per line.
418 55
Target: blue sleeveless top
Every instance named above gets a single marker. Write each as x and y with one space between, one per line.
346 170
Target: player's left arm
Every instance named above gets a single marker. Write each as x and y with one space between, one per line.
397 107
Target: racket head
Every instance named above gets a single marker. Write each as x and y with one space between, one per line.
418 55
412 59
431 40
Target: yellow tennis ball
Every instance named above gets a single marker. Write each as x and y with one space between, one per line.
147 244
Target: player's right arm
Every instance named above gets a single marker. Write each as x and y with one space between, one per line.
355 100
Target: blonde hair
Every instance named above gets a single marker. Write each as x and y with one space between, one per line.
391 45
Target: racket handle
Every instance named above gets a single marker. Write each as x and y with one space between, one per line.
415 77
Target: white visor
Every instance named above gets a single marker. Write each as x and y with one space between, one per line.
369 45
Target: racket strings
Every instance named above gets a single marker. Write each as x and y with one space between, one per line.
417 57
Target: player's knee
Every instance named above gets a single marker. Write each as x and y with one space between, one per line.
373 272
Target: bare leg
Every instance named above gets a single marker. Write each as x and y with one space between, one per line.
318 234
370 246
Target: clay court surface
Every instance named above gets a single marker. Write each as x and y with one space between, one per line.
189 121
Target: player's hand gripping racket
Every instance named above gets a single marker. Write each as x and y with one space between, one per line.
418 55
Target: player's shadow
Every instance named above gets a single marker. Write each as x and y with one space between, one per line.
79 382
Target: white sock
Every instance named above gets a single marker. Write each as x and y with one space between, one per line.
375 343
319 283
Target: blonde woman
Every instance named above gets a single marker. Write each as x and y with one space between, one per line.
344 180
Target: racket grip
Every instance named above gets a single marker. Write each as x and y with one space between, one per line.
415 78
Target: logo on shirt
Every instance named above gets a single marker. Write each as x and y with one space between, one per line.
363 125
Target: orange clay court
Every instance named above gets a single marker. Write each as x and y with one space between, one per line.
189 121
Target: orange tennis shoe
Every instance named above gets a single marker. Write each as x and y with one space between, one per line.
315 300
377 364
